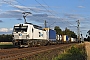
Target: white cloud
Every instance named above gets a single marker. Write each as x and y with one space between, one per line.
32 9
11 14
6 29
40 15
74 16
81 7
22 8
3 30
10 29
8 1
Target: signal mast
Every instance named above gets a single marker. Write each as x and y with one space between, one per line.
78 30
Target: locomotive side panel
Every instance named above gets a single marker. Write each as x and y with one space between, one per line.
39 34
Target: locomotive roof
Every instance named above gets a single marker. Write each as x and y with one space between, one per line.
34 25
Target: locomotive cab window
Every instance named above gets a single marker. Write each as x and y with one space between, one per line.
20 28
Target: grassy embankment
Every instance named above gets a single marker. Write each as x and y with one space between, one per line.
74 53
6 45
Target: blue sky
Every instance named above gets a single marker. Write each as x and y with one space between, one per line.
62 13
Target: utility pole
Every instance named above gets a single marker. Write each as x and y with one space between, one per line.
45 23
25 14
78 30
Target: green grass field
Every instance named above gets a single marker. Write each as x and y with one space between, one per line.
4 45
74 53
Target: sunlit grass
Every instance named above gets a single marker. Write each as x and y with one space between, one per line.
74 53
6 45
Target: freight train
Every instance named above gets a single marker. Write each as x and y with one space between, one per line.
28 34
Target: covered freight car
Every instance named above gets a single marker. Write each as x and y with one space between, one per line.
62 38
59 38
65 39
51 35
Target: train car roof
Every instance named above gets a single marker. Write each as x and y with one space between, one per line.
36 26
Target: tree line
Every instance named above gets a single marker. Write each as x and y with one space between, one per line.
65 32
5 38
87 36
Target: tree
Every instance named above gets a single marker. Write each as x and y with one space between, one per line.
88 36
73 35
58 30
88 32
69 33
5 38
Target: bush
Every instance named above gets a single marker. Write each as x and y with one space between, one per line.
74 53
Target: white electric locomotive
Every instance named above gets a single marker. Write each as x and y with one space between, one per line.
28 34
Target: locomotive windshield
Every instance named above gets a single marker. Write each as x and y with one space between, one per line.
20 28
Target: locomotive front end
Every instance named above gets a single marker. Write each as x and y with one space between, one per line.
20 35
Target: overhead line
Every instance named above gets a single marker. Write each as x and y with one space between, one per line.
55 11
29 8
12 5
23 5
49 11
42 6
16 6
45 8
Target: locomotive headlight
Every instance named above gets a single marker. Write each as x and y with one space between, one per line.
20 34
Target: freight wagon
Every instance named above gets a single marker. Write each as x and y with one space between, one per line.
51 35
62 39
59 38
73 40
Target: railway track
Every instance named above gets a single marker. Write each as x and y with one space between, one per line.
18 54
